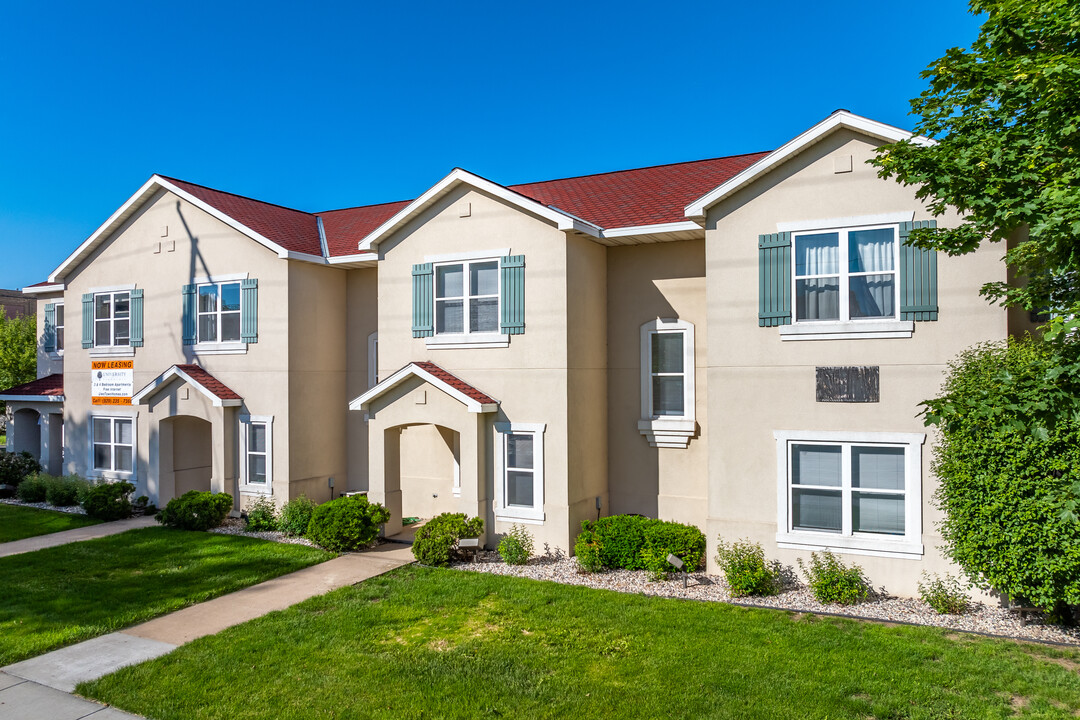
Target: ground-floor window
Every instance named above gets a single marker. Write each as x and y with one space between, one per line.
519 469
256 455
113 444
857 491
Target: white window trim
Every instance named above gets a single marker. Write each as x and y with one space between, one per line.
218 347
257 488
909 546
845 328
465 340
112 475
467 256
58 352
112 349
229 277
534 515
889 218
372 360
669 431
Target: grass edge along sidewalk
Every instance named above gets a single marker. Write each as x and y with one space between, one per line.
418 640
61 595
19 523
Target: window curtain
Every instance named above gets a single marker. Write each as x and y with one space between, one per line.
818 298
872 251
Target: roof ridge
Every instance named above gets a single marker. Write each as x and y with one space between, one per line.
645 167
362 207
236 195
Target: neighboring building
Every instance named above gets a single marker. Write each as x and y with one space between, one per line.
16 304
739 343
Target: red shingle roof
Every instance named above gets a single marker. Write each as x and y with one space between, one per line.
346 228
456 383
208 381
50 385
43 283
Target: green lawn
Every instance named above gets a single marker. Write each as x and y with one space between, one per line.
57 596
442 643
17 522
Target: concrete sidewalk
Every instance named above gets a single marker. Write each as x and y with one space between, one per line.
40 542
51 676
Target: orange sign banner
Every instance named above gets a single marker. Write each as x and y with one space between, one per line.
111 382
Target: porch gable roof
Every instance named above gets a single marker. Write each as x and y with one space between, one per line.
218 393
475 400
45 389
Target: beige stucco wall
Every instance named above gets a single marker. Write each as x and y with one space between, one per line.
362 319
647 282
162 247
760 384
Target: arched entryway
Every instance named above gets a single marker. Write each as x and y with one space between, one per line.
27 432
185 455
429 469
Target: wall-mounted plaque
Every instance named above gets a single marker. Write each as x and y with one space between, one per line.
848 384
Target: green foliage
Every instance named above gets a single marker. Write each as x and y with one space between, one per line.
634 542
262 515
33 489
195 510
295 516
746 570
18 350
347 523
516 546
833 582
434 543
1005 116
66 491
587 552
944 594
1006 469
14 467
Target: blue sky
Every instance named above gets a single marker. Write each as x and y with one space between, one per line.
319 106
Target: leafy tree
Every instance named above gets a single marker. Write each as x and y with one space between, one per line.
1005 115
18 350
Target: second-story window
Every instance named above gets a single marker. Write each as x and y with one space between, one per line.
58 328
219 312
467 297
112 319
847 274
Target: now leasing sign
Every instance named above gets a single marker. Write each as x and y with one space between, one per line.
112 382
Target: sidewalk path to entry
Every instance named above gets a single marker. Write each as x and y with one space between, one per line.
63 669
40 542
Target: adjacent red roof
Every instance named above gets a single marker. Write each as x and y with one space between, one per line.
44 283
212 384
346 228
456 383
50 385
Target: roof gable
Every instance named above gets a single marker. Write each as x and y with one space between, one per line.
472 398
215 390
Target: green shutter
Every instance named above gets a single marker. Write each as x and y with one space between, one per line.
137 318
249 310
423 303
88 320
48 340
513 295
774 279
187 298
918 276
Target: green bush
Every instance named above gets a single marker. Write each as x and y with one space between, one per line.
435 542
262 515
516 546
15 467
66 491
833 582
587 552
746 570
34 488
196 510
347 523
108 501
1008 464
945 594
634 542
295 516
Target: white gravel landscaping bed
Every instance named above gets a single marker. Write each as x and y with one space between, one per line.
980 618
236 526
70 509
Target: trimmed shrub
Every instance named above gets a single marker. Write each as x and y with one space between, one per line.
66 491
946 595
109 501
295 516
833 582
15 467
195 510
262 515
347 523
516 547
435 542
634 542
34 488
587 552
746 570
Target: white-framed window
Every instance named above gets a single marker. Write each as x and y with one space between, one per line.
112 319
373 359
256 454
519 471
58 327
112 446
218 312
467 298
852 491
846 274
668 396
